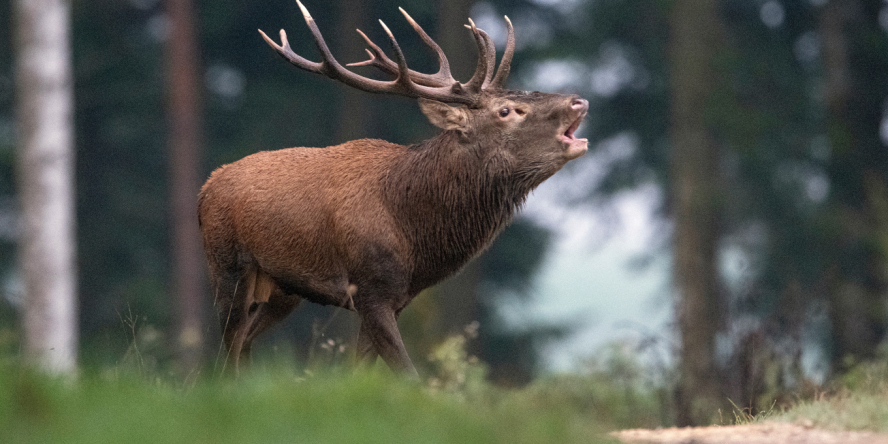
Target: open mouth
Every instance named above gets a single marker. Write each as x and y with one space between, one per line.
575 147
568 136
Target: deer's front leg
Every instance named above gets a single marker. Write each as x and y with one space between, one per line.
365 353
379 334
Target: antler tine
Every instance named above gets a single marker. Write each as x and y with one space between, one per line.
491 57
377 57
381 61
286 52
403 70
406 80
329 65
502 73
477 81
443 64
408 83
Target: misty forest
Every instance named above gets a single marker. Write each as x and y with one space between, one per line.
759 128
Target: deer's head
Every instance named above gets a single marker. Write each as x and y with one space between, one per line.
533 126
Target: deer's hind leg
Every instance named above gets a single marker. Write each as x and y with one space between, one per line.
257 303
263 315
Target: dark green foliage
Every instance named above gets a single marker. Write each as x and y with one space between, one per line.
510 262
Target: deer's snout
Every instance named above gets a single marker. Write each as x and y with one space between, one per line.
578 104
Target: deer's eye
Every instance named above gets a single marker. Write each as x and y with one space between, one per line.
504 112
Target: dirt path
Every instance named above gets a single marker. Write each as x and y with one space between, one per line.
763 433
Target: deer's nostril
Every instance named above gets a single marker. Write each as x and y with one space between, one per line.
579 104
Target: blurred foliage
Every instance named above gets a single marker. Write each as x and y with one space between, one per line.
868 376
613 386
455 370
802 211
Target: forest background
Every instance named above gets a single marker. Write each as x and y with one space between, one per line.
760 126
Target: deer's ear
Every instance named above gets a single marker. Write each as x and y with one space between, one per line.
445 116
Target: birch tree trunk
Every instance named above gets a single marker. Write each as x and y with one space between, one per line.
45 173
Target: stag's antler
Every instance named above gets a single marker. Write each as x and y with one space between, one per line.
440 86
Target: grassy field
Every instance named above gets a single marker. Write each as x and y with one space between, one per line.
138 401
277 402
273 407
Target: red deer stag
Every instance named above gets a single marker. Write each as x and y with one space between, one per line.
368 224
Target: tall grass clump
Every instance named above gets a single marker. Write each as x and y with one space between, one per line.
856 400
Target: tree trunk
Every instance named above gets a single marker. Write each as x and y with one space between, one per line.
44 103
354 111
184 144
694 35
456 42
855 87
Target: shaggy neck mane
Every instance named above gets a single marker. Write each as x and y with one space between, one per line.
456 198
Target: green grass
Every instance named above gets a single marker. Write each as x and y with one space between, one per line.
271 407
275 403
139 399
847 411
858 402
133 402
